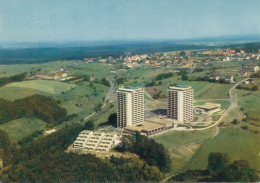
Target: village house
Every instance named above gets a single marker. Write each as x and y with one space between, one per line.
214 76
230 78
249 81
157 64
226 59
250 68
242 73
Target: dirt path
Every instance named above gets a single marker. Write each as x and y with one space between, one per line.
217 132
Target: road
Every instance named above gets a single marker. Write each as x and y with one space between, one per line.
109 95
233 104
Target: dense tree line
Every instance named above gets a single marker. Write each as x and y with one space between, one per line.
220 169
255 75
40 106
223 170
153 153
163 76
121 80
253 88
105 82
206 78
45 160
15 78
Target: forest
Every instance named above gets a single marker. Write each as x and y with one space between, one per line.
41 106
147 149
15 78
44 160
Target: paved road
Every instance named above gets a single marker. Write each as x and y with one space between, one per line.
233 104
110 93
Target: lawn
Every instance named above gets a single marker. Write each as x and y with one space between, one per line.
182 145
46 86
238 143
19 128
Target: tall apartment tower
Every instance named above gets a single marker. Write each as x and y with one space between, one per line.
180 103
130 106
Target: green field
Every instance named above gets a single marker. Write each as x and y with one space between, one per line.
250 102
238 143
51 87
182 145
13 93
9 70
19 128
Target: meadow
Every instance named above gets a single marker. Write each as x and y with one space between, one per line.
22 127
238 143
182 145
51 87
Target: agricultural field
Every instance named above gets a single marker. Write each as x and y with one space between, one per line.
182 145
19 128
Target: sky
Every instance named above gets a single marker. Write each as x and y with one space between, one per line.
97 20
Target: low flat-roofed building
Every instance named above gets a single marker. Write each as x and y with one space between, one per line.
99 141
207 108
150 126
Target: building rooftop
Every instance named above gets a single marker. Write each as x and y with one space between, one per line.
131 87
209 106
180 87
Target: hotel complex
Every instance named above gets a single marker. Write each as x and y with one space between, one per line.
180 103
130 106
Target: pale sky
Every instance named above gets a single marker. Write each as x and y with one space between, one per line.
90 20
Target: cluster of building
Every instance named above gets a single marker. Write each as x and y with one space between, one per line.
130 110
98 141
248 68
55 76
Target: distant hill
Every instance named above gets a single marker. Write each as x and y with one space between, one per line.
79 50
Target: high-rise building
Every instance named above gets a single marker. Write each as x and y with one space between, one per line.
180 103
130 106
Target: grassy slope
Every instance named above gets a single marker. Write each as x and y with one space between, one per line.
238 143
51 87
8 70
13 93
183 144
19 128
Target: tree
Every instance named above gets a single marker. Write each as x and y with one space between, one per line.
240 171
184 77
183 54
235 121
218 163
89 125
254 88
112 119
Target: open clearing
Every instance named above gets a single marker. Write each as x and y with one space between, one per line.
19 128
14 93
51 87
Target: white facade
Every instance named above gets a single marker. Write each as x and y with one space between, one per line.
130 106
180 103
